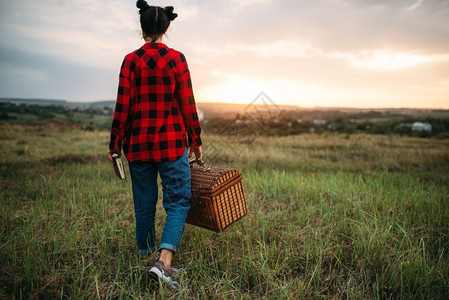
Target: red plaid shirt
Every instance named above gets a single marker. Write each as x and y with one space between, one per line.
155 106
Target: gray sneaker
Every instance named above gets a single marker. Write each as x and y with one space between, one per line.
160 272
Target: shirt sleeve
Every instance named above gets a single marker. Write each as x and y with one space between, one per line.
122 105
188 105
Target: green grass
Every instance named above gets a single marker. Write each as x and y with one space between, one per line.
330 216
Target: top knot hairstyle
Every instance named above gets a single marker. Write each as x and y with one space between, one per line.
154 20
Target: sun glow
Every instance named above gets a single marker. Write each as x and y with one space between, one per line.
285 92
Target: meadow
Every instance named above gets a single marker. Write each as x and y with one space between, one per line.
330 216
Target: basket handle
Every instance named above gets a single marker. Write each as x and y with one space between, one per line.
199 162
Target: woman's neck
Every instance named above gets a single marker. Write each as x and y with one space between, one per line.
150 40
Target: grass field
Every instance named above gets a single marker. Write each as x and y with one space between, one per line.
330 216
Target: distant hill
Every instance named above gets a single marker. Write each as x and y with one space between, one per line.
97 105
225 110
232 110
261 118
34 101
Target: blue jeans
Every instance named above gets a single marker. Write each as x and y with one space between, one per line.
175 176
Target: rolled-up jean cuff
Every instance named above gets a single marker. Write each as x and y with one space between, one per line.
168 247
145 251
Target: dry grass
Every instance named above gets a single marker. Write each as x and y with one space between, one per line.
331 216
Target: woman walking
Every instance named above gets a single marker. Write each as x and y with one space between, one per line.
154 115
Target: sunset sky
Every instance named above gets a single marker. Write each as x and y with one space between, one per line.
351 53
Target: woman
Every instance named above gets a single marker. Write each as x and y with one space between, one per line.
155 110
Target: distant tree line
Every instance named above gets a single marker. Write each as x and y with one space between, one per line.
371 122
91 118
284 124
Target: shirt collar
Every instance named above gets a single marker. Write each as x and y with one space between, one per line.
152 45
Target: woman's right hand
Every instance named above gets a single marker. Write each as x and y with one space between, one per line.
109 153
117 149
198 152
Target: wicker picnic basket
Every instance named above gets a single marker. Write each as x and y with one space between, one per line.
218 199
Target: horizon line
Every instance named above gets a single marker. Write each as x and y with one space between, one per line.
237 104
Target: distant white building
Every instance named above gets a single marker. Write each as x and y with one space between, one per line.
419 126
319 122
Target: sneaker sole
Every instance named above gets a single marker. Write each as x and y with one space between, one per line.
157 275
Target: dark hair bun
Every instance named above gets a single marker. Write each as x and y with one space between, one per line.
142 4
169 12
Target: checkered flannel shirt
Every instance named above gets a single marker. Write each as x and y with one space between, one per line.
155 106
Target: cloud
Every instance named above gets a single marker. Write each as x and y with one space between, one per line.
415 5
30 74
374 59
228 75
323 45
280 48
384 60
242 4
83 48
84 32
